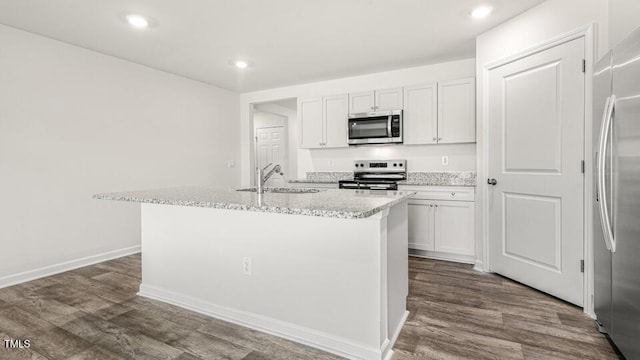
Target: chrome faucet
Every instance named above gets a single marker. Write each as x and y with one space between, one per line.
261 177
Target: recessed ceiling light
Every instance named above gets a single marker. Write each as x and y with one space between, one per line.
481 12
241 64
138 21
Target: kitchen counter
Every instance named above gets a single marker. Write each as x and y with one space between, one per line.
336 279
342 204
444 178
418 178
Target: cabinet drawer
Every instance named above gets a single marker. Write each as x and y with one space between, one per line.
449 194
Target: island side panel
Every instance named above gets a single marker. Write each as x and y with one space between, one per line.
317 277
398 269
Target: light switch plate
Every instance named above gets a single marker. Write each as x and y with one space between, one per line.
231 163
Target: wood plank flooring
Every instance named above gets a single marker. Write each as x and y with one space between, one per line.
456 313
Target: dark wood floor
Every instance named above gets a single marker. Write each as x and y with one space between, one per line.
456 313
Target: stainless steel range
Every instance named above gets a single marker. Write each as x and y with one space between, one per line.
376 175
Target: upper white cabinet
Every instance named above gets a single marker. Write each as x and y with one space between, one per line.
361 102
421 114
335 112
323 121
311 123
457 111
389 99
385 99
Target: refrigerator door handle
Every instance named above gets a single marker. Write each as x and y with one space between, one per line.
605 218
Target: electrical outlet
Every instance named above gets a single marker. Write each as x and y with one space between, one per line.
445 160
246 266
232 163
331 163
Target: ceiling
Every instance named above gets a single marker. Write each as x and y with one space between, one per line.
287 42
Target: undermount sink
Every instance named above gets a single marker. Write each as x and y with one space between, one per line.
278 190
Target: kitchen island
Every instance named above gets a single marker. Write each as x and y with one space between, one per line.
328 268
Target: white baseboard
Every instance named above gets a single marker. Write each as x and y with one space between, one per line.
465 259
388 349
317 339
49 270
479 266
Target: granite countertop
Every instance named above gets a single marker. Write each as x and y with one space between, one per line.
311 181
342 204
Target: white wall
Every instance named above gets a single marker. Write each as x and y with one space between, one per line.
624 17
74 123
549 20
421 158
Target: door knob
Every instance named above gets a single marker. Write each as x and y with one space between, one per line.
492 181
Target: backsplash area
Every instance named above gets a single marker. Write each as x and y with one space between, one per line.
434 178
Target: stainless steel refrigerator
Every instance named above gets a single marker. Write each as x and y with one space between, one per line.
617 194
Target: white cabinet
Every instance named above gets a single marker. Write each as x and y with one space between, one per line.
361 102
421 232
441 223
389 99
385 99
312 133
442 113
421 114
323 122
335 113
453 227
456 111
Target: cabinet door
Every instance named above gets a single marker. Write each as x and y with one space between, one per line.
457 111
335 109
454 227
389 99
311 123
421 225
421 114
361 102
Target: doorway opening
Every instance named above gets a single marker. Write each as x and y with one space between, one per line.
273 139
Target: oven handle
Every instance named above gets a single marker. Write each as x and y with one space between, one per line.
389 126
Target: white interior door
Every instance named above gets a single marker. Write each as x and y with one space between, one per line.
271 149
536 143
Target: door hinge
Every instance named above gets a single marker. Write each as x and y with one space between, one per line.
582 166
584 65
581 266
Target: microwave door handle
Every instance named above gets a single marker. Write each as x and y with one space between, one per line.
389 134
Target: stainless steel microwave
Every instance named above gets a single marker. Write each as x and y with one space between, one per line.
378 127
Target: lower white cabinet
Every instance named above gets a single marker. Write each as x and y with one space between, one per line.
441 224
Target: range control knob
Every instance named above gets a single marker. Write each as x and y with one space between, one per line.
395 165
400 164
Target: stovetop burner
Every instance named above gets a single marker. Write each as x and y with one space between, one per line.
376 175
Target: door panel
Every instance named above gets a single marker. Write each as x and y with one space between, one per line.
271 149
533 124
536 144
532 227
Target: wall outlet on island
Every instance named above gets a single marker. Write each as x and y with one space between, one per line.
246 266
445 160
